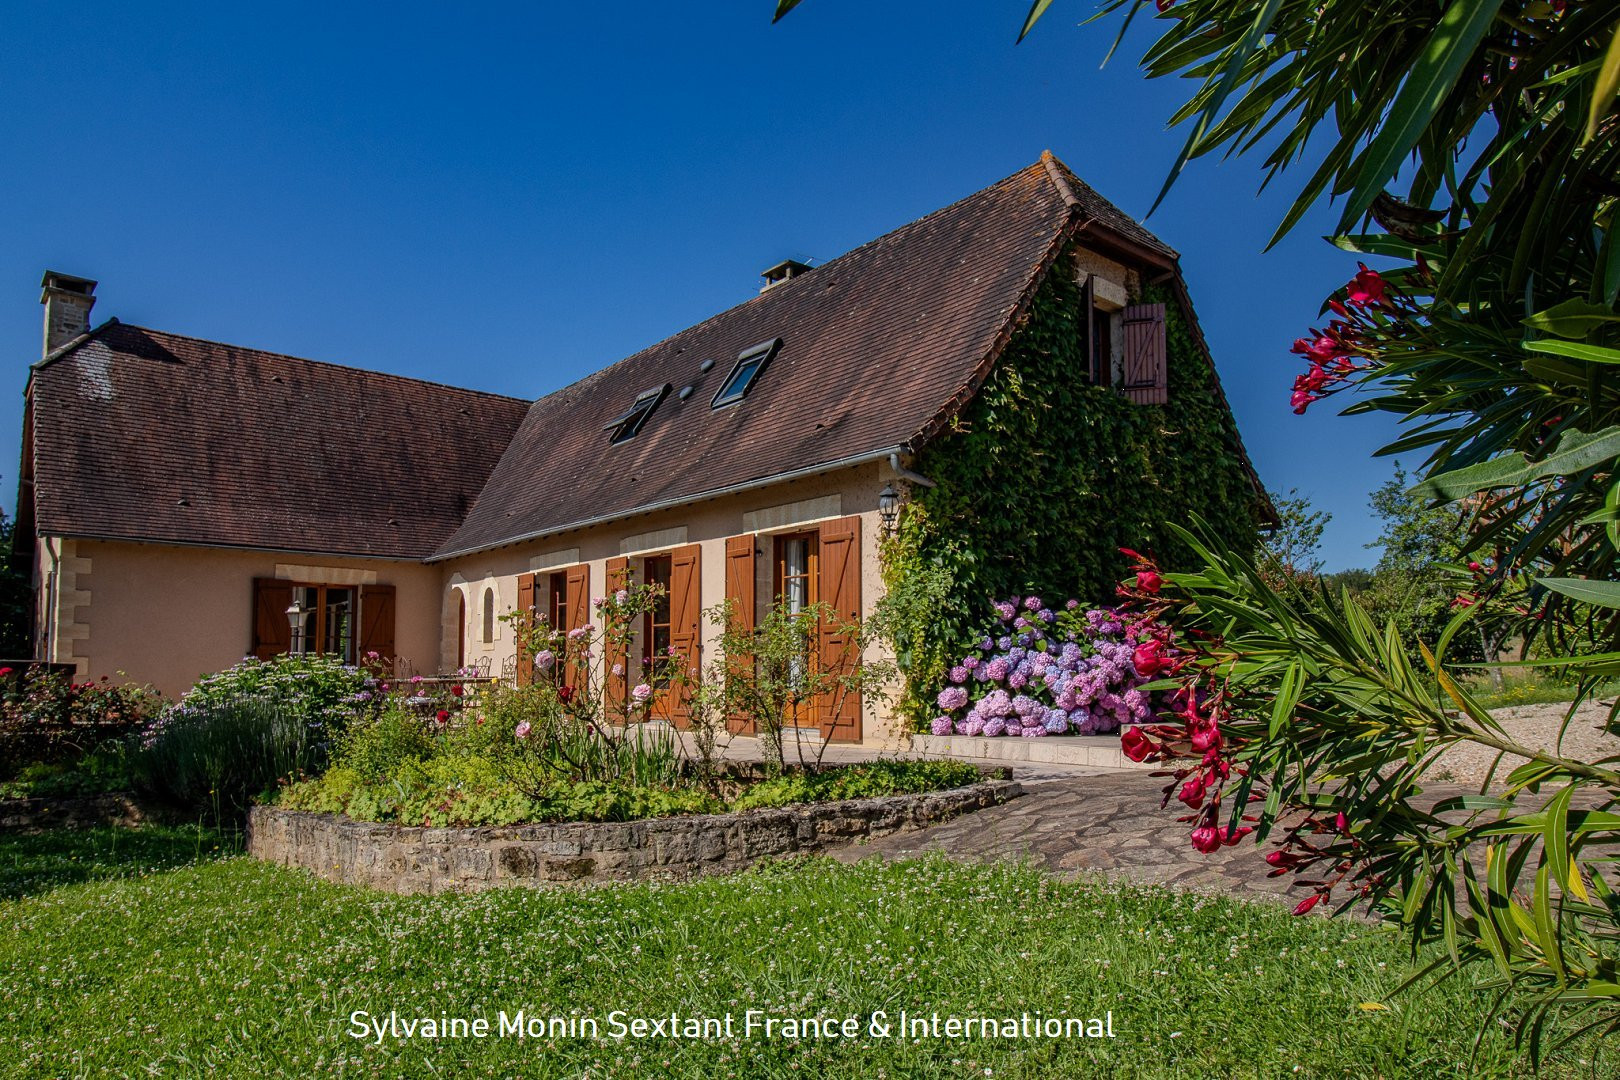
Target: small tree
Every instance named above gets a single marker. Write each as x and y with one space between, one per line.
777 674
1292 553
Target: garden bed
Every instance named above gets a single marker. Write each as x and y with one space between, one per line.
414 859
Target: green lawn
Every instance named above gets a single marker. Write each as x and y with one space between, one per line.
116 961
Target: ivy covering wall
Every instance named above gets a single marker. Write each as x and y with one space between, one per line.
1044 477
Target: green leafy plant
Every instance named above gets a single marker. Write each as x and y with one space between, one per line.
221 756
778 674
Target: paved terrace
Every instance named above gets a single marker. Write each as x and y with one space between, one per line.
1077 819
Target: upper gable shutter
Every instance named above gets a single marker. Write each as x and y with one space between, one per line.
841 591
1146 374
377 622
524 667
615 686
272 636
740 591
578 596
685 624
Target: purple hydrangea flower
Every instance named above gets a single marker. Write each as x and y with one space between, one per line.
959 674
941 725
1033 731
995 726
971 726
996 670
952 698
1072 605
1057 722
1004 610
1032 603
1004 643
970 662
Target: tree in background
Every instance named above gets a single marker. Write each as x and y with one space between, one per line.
16 600
1291 554
1475 145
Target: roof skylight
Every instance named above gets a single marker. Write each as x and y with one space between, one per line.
632 419
749 364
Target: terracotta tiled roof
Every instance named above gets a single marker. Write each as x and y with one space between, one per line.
876 346
144 435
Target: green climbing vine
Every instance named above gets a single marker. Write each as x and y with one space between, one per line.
1044 477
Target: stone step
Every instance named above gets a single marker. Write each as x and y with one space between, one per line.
1093 750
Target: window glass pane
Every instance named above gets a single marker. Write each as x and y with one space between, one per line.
737 385
304 626
338 624
796 574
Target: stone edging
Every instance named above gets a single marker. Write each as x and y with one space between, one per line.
407 859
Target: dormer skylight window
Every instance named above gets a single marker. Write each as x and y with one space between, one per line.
626 426
749 364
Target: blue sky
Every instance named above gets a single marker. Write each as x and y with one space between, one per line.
512 196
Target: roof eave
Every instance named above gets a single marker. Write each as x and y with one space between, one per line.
853 461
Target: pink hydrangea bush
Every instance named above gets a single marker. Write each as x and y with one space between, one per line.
1043 672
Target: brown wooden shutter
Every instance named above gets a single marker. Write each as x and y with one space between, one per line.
841 590
377 621
1146 375
616 687
740 591
686 623
272 636
578 597
525 601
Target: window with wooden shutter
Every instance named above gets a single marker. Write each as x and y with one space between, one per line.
614 654
1146 373
272 635
525 601
840 554
577 591
740 593
377 621
685 631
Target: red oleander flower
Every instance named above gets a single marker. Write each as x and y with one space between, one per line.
1366 288
1192 792
1148 580
1136 745
1148 658
1308 903
1206 838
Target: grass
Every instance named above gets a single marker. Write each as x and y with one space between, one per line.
117 962
1529 687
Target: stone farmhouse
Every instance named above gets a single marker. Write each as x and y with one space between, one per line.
185 502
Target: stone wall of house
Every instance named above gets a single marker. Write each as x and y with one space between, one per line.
404 859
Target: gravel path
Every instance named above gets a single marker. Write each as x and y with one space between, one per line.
1536 727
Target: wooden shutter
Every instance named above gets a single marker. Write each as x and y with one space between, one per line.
685 623
578 597
616 687
271 634
525 601
841 591
1146 376
377 621
740 591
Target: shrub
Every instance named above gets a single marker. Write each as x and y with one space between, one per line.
1042 672
318 691
888 777
220 756
46 717
377 747
105 768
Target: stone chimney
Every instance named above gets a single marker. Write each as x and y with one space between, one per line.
67 301
783 271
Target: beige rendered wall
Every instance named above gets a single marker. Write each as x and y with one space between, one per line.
165 614
786 507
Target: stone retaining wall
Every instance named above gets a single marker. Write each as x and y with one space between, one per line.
405 859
